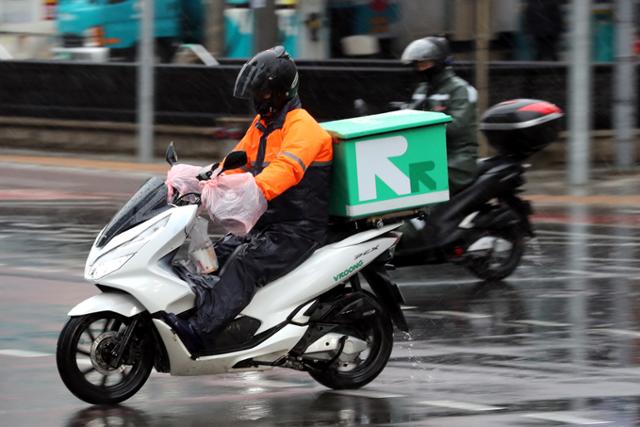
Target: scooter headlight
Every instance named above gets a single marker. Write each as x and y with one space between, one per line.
102 268
118 256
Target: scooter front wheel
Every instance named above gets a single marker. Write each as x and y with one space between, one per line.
86 362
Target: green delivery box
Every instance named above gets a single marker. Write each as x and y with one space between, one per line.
388 162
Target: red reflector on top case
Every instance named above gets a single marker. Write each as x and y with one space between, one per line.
543 108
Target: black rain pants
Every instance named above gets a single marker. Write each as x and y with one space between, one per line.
248 263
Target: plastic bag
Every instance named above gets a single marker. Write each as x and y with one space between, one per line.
183 178
234 201
201 250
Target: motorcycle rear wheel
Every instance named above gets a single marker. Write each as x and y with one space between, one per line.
378 330
83 359
498 265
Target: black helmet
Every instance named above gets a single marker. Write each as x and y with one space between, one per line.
271 72
431 48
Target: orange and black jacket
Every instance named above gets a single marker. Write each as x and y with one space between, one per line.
291 157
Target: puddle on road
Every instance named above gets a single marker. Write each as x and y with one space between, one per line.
49 235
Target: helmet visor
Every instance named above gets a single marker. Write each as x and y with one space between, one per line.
245 81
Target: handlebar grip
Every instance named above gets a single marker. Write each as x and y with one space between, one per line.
204 176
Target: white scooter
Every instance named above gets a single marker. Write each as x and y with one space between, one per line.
317 318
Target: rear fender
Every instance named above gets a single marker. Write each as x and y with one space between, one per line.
388 293
495 218
117 302
524 210
340 308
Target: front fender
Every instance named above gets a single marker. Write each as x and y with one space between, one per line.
116 302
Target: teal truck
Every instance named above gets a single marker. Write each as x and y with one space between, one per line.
114 25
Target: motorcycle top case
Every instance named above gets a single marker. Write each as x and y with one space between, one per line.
388 162
521 127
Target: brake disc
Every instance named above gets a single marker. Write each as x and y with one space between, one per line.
101 352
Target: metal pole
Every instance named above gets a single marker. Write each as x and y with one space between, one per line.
265 30
625 86
483 36
145 82
580 94
215 27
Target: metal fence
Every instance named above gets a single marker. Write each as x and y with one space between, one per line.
198 95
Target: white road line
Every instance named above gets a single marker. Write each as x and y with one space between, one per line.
472 407
565 417
56 203
460 314
622 332
609 259
620 268
23 353
567 294
367 393
592 235
515 279
409 307
541 323
273 384
593 274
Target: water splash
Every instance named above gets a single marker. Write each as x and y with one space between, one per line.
419 372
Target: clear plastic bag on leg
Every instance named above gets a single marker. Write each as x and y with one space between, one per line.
201 250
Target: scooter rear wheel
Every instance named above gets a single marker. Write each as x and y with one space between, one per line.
498 264
378 331
85 362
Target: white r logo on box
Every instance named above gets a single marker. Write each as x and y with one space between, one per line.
372 159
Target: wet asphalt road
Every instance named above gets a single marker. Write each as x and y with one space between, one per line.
558 343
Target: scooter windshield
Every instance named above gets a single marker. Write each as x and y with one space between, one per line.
149 201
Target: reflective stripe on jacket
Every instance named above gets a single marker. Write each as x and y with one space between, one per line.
291 157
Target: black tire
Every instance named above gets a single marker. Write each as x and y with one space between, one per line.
498 266
380 340
86 340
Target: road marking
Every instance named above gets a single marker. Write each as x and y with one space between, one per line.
408 307
461 314
44 195
609 259
516 279
77 163
367 393
472 407
56 203
595 199
565 418
23 353
541 323
622 332
620 268
273 384
593 274
590 235
567 294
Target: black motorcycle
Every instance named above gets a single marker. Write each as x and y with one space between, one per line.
485 226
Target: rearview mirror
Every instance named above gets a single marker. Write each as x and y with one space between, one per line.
235 160
171 156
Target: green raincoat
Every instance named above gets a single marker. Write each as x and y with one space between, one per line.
452 95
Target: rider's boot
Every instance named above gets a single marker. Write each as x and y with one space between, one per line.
187 333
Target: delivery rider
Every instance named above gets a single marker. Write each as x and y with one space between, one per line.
290 156
441 90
